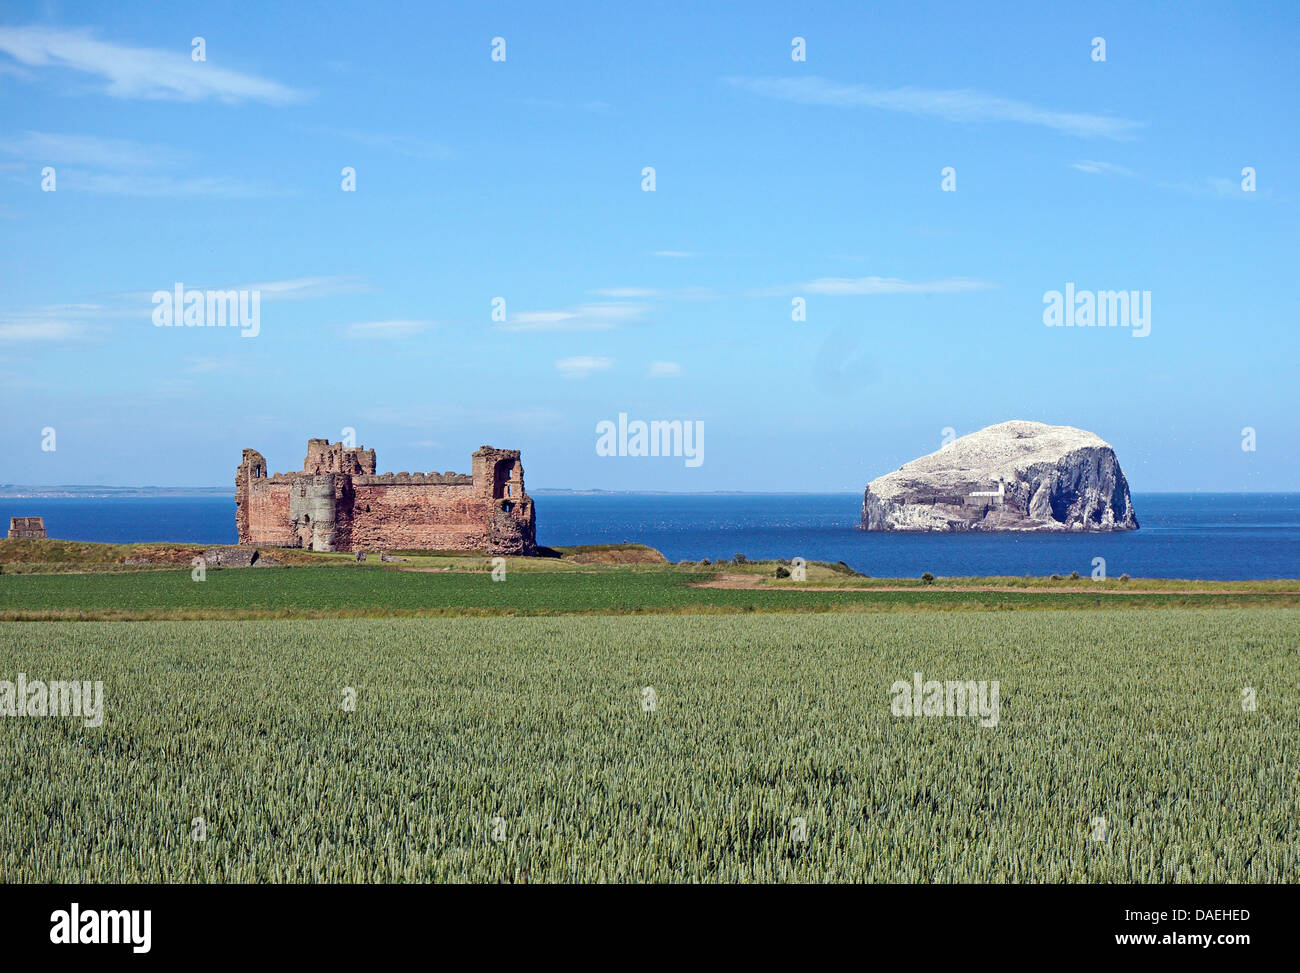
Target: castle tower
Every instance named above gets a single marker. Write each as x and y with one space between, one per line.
326 457
499 474
499 478
313 511
252 467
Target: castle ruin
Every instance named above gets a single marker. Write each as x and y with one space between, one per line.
339 503
31 528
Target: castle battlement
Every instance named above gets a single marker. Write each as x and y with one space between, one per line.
337 502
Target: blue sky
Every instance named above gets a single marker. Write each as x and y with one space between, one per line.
522 179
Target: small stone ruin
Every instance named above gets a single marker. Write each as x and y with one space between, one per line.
28 527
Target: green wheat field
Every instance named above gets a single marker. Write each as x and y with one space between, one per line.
524 749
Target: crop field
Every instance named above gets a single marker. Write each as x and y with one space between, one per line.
306 592
528 749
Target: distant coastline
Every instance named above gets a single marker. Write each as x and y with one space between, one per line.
12 490
90 492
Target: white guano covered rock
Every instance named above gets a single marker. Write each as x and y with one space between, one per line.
1013 476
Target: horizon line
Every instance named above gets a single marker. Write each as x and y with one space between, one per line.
5 489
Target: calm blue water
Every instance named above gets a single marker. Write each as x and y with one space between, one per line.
1199 535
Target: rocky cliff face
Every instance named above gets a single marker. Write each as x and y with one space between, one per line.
1012 476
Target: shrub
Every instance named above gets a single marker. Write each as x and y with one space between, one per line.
738 559
928 578
1057 577
782 571
1074 575
1123 577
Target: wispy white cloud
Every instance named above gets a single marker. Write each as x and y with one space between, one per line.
39 327
678 254
14 71
289 289
309 288
139 72
664 369
407 145
600 316
168 387
119 166
860 286
1215 187
208 365
1220 186
677 293
62 322
956 105
11 380
632 292
54 148
1095 167
581 366
444 413
893 285
138 184
387 329
130 308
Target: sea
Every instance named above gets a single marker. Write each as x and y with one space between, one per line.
1228 536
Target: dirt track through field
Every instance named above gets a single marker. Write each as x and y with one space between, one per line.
750 582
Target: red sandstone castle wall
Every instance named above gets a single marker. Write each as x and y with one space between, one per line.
268 514
383 517
391 516
338 504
